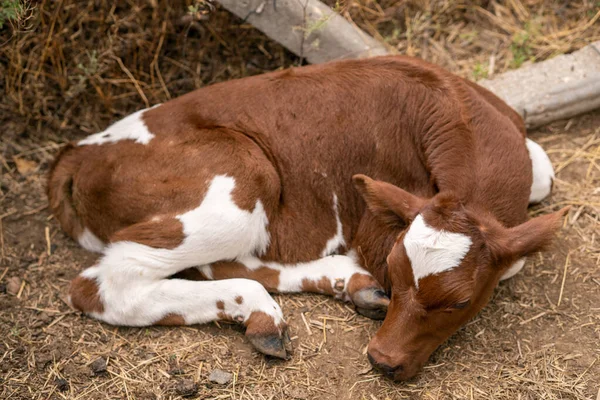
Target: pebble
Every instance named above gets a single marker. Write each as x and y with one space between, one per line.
61 384
98 366
186 388
219 376
13 285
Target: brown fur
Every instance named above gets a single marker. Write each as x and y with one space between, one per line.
358 282
171 320
164 233
260 324
192 274
323 285
84 295
60 191
268 277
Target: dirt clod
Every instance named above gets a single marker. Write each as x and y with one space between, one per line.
61 384
98 366
186 388
219 376
13 285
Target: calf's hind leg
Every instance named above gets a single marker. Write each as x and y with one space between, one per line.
130 286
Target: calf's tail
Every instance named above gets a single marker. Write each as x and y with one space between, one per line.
60 191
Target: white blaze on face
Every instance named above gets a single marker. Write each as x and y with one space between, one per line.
131 127
338 239
543 172
432 251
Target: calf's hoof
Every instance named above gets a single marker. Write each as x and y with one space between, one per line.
372 302
267 336
272 344
377 314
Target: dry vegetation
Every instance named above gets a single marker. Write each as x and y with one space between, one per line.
68 68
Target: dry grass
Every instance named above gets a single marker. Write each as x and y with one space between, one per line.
74 66
480 38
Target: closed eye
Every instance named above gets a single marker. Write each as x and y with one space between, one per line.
462 305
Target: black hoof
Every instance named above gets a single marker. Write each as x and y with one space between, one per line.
373 313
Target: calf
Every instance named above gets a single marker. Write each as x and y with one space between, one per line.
388 182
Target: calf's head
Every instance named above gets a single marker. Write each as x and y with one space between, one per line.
442 268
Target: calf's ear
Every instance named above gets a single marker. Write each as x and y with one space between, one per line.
387 202
529 237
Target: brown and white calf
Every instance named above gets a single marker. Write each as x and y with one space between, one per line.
355 179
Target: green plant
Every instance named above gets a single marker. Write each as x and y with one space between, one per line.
200 7
12 11
480 71
521 46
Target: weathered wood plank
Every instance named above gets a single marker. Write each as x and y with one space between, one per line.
307 28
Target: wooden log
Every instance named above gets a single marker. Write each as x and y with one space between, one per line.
307 28
558 88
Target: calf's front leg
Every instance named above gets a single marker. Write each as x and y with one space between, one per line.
338 275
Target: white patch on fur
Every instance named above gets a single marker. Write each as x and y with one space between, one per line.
514 269
132 276
543 172
90 242
218 226
432 251
131 127
338 239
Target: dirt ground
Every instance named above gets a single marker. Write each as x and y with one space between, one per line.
538 338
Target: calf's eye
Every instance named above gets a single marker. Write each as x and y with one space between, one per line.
462 304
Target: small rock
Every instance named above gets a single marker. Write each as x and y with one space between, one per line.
13 285
99 366
44 317
174 367
186 388
219 376
61 384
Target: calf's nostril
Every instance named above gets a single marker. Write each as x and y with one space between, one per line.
386 369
